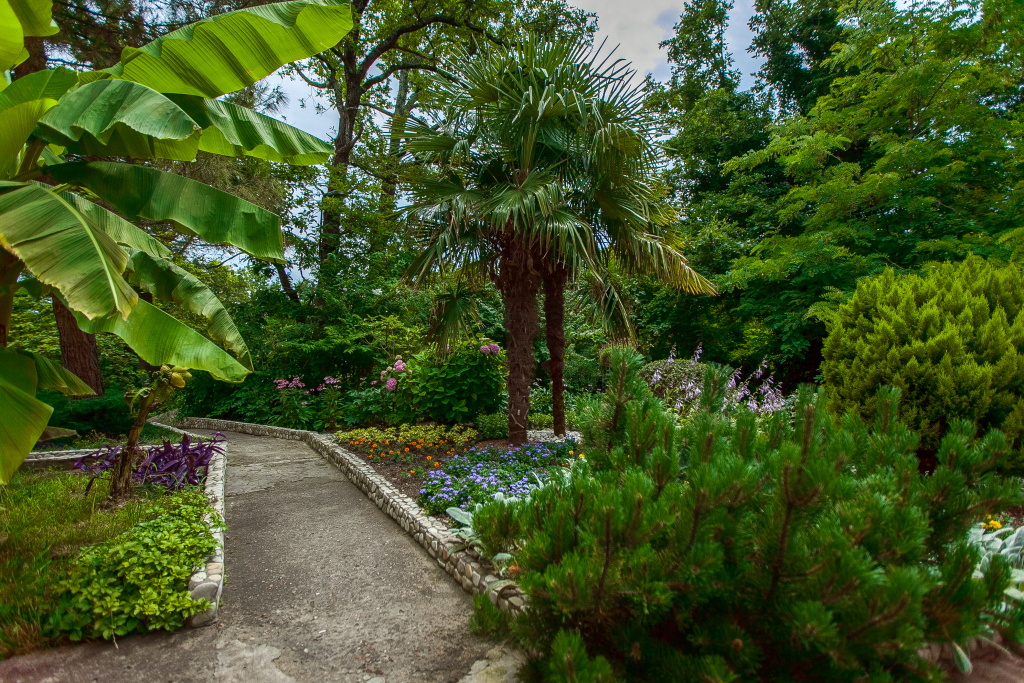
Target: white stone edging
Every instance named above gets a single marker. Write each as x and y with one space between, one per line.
464 565
207 582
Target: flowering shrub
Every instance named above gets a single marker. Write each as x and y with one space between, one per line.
292 403
476 475
328 402
452 387
688 386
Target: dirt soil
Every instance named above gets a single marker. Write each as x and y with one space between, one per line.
321 587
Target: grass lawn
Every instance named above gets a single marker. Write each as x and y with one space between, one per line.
46 517
151 434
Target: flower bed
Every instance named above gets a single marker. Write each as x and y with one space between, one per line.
477 474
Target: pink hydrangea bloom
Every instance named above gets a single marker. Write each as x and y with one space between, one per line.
485 349
399 365
391 384
495 348
373 382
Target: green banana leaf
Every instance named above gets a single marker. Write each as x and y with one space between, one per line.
168 282
54 376
25 416
159 339
121 119
235 131
233 50
64 249
16 125
20 18
49 84
117 228
194 208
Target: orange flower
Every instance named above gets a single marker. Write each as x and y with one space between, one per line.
412 471
407 449
437 464
429 458
391 452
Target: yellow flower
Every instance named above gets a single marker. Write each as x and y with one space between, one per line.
572 452
581 456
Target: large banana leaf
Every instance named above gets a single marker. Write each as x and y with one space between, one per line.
24 416
20 18
230 51
168 282
117 228
159 339
56 377
64 249
16 125
49 84
121 119
235 131
217 217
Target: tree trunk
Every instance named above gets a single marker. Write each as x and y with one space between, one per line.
555 276
518 282
121 483
78 349
286 283
10 268
36 57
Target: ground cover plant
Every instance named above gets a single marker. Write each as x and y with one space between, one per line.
46 520
478 475
169 465
809 549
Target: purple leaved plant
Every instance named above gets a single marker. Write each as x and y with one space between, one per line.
171 465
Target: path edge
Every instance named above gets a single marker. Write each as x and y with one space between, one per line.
464 565
207 581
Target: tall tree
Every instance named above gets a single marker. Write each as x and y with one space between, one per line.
543 165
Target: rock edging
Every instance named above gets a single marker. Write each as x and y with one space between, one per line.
464 565
207 582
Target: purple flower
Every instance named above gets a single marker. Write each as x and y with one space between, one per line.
495 349
485 349
373 382
391 384
399 365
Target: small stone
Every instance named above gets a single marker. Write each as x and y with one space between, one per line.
476 579
204 618
378 679
205 591
516 601
493 595
215 578
467 585
196 579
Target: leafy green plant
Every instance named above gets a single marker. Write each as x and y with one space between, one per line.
138 582
811 549
293 409
951 339
541 421
328 404
492 426
450 386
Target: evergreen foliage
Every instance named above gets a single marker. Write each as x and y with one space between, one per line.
810 549
951 339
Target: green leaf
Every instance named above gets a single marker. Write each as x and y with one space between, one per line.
168 282
234 131
49 84
16 125
64 249
54 376
56 433
117 228
963 662
230 51
160 339
195 208
25 416
20 18
124 119
460 516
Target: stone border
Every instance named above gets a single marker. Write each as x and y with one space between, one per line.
464 565
207 582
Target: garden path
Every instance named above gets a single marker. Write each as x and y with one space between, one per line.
321 587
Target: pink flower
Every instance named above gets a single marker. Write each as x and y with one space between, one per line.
373 382
485 349
391 384
399 365
382 373
362 379
495 348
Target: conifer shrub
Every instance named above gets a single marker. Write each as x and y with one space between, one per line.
951 339
807 549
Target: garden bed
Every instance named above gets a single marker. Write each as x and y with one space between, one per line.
447 469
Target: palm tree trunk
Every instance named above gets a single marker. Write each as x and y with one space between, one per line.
10 268
555 276
121 483
518 283
78 349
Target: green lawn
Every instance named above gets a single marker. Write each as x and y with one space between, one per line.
151 434
46 517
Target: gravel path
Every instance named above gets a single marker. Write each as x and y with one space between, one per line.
321 587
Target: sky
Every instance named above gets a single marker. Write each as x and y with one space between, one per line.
635 26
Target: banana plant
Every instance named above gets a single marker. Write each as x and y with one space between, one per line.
158 102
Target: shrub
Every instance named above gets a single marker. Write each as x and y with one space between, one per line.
493 426
951 339
171 465
138 582
811 550
251 401
106 414
541 421
451 387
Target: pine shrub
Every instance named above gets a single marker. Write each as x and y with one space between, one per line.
809 549
951 339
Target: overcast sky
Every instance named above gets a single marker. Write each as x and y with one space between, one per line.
636 26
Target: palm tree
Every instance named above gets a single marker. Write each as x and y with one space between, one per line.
542 167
